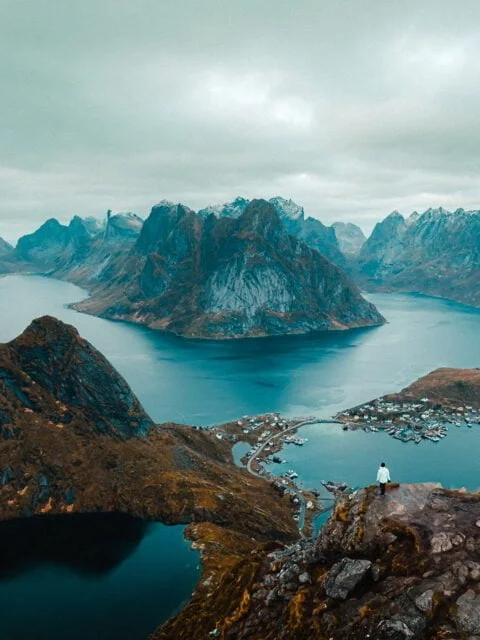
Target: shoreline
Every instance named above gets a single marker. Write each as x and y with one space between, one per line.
267 434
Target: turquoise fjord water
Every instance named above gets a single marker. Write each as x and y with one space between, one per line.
206 382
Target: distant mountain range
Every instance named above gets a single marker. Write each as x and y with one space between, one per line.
251 268
234 272
435 253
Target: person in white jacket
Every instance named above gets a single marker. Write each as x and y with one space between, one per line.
383 476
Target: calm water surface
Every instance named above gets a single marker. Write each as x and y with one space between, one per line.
206 382
91 578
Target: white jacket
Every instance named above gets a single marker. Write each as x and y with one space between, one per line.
383 475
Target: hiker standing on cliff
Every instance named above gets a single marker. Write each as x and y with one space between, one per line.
383 476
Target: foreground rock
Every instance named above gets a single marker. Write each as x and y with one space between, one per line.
75 439
404 565
227 277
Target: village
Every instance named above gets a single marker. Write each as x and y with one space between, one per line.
409 421
267 435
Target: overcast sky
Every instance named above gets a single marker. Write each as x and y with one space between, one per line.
352 108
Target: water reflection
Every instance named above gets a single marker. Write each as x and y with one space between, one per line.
90 543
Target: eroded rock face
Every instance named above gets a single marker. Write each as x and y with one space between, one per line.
404 565
350 238
344 576
50 362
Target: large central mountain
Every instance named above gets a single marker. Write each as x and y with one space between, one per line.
435 253
230 276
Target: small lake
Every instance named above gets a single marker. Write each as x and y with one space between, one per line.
95 577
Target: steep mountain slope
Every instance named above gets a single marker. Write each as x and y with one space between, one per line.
6 255
74 439
227 277
436 253
5 248
315 234
350 237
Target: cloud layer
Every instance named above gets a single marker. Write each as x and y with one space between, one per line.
350 108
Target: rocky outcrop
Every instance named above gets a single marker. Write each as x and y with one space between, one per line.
350 238
50 362
345 576
403 565
436 253
227 277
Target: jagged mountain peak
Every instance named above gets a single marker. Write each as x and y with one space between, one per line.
50 364
287 208
261 217
395 215
164 218
232 209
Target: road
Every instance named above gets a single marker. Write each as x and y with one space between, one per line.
298 493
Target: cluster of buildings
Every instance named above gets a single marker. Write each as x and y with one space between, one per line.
410 421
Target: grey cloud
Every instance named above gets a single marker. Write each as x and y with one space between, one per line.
350 108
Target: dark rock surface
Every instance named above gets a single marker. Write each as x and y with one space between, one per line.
51 356
310 230
344 576
227 277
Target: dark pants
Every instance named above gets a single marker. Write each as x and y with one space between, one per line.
382 488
